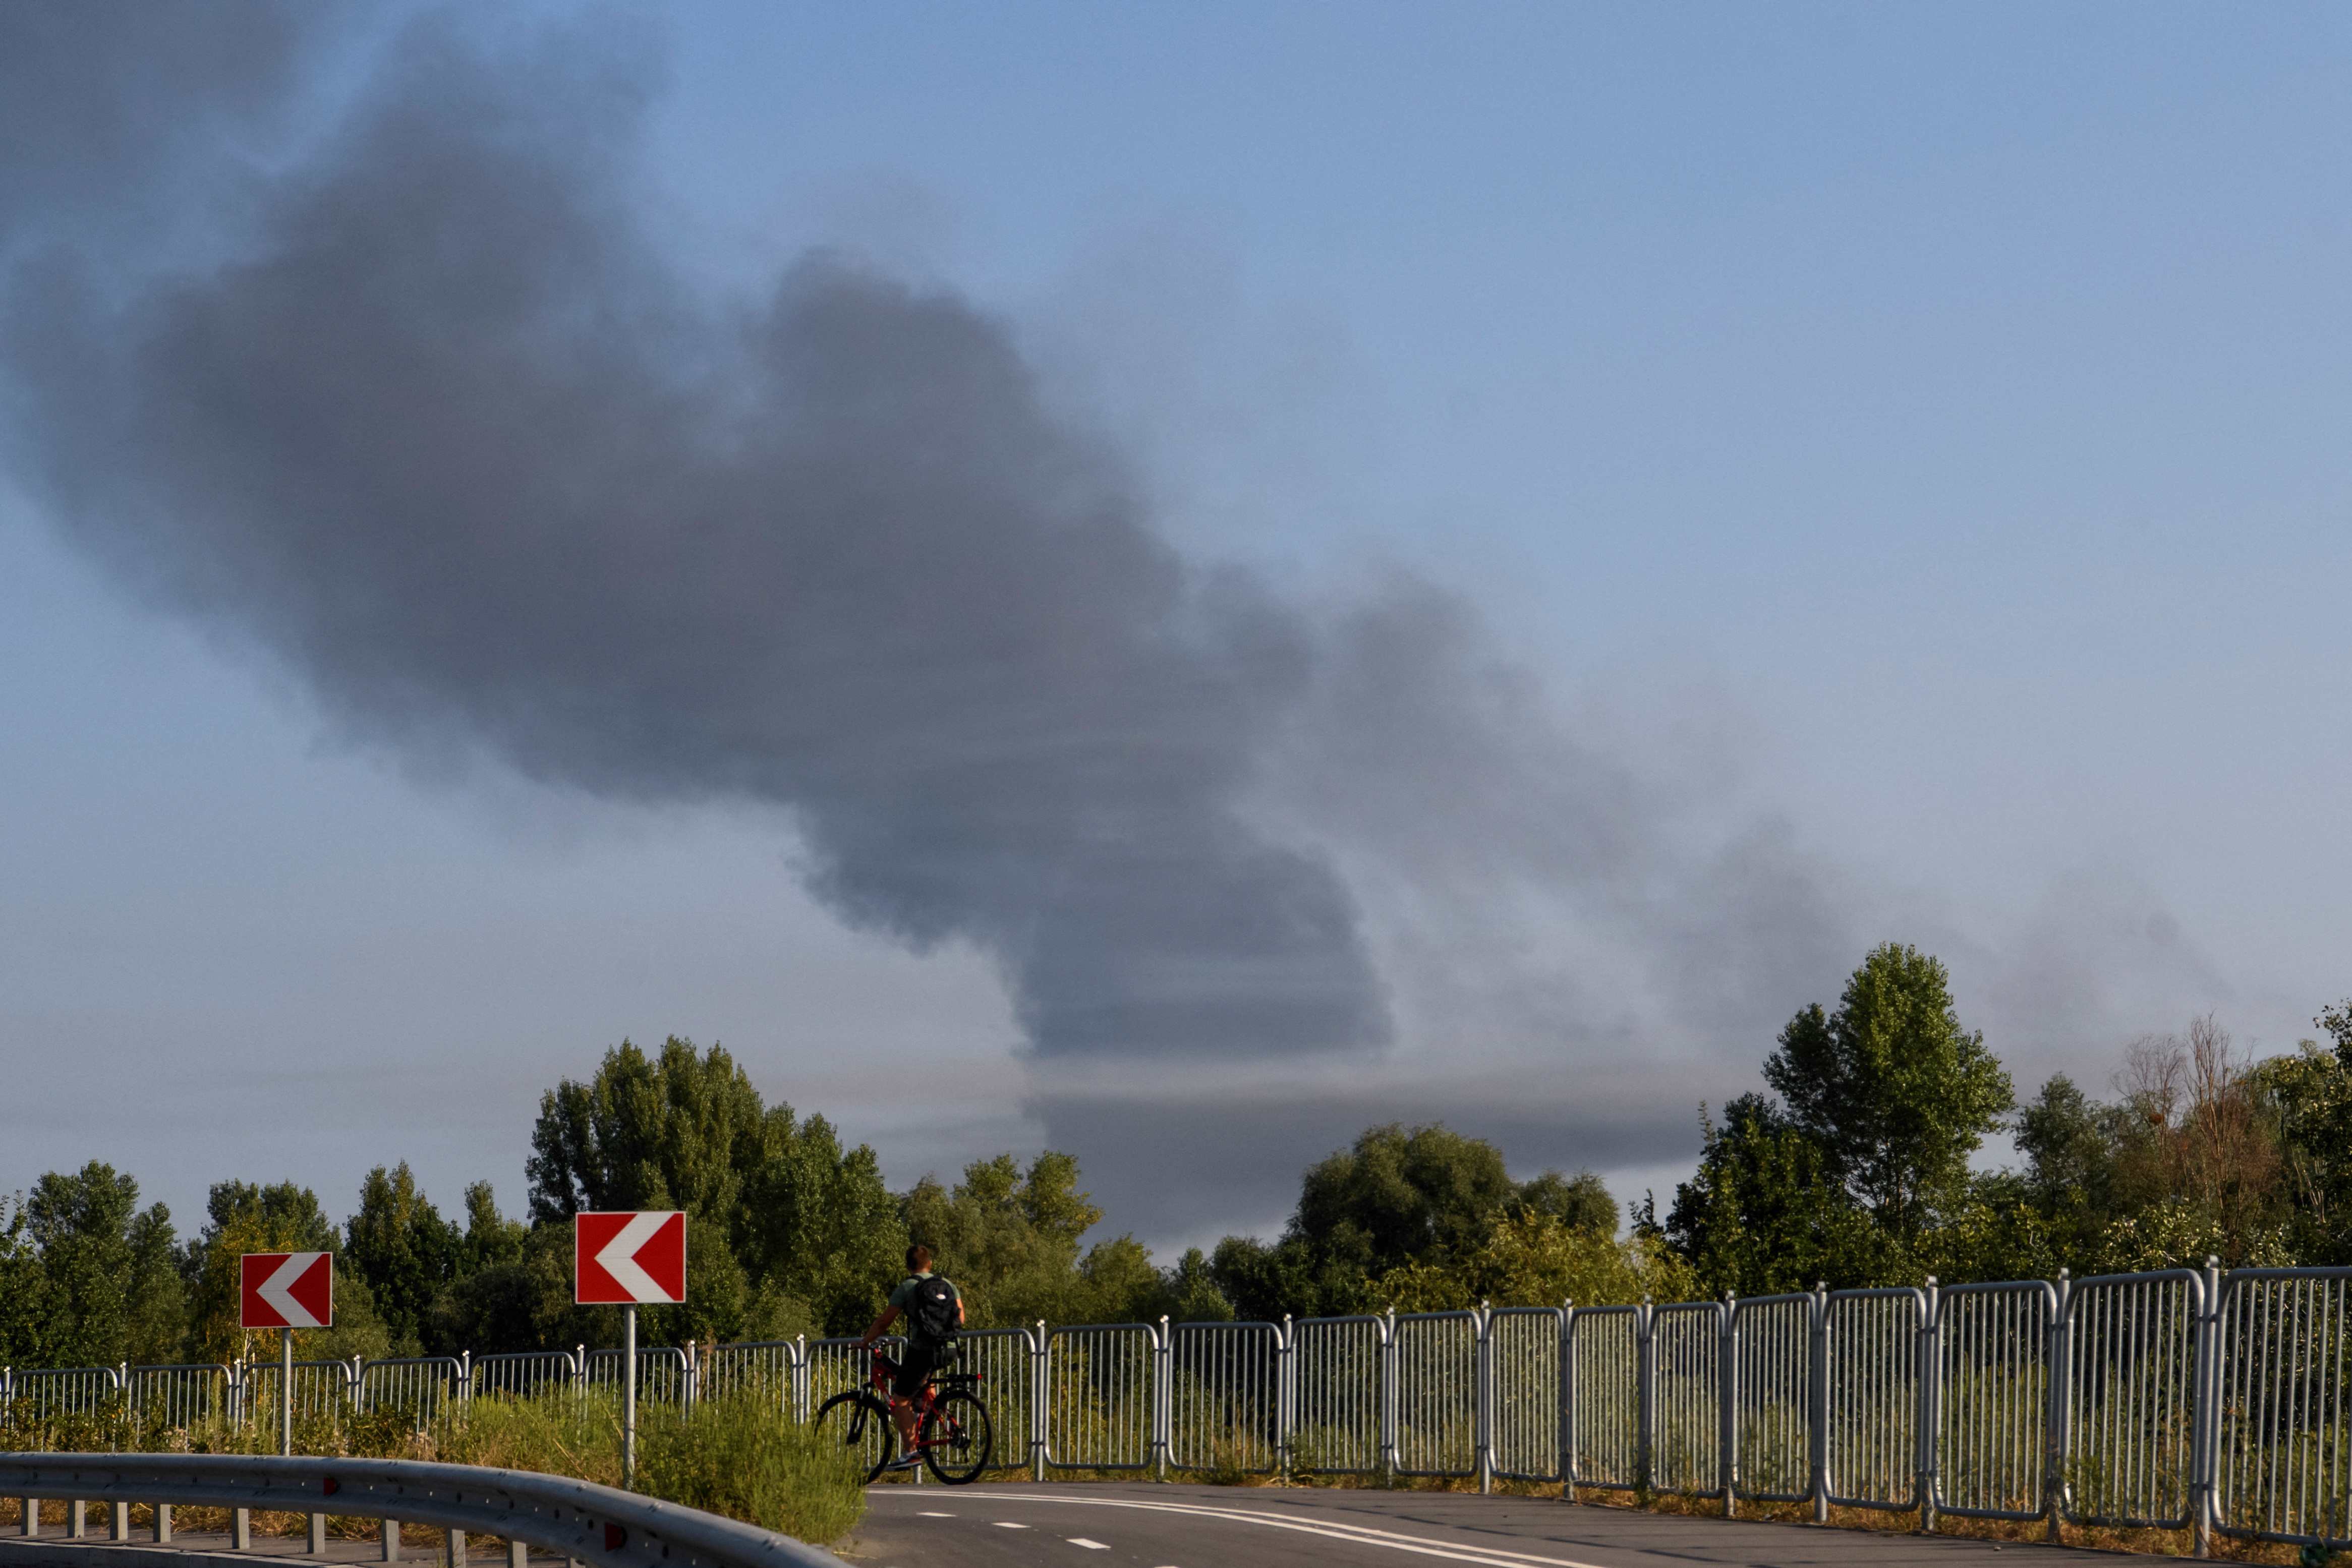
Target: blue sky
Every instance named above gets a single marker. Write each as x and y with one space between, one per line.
1911 431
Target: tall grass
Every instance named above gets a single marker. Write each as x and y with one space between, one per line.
740 1454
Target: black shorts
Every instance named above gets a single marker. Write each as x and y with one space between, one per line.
916 1367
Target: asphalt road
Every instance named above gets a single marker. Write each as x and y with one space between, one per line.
1161 1526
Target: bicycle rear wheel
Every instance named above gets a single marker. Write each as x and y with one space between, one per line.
861 1423
957 1437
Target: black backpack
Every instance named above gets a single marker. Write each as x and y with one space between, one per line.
935 1311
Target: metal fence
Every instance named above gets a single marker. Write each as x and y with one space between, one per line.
2182 1399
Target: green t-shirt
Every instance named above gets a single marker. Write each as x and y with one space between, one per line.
903 1298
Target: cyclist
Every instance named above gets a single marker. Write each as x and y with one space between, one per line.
934 1311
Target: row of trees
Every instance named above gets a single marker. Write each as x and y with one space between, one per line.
1856 1168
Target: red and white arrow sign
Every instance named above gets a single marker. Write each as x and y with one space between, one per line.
287 1291
623 1258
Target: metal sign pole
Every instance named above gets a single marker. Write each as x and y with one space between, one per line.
285 1390
629 1398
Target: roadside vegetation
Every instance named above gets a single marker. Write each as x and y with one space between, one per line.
1856 1165
737 1454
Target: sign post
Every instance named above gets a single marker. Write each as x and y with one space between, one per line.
620 1259
286 1290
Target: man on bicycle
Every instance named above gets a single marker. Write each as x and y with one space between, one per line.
934 1311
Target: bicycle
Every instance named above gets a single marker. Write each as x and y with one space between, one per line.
952 1430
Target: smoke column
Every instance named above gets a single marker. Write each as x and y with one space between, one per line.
449 437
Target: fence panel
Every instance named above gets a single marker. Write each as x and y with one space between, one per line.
767 1368
174 1398
51 1394
1099 1396
1773 1416
1435 1355
322 1393
1225 1400
2284 1469
1334 1424
1992 1442
1687 1398
1523 1431
2130 1371
423 1387
1605 1398
1874 1397
836 1365
524 1375
1003 1359
661 1371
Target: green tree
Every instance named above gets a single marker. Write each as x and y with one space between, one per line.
1398 1195
406 1252
491 1241
1423 1196
283 1217
1190 1293
23 1291
109 1292
1763 1216
783 1227
1891 1090
1010 1238
1580 1202
2309 1095
1533 1258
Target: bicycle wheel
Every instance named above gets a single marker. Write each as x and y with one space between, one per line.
956 1439
860 1422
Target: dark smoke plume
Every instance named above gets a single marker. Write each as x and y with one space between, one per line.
450 436
424 411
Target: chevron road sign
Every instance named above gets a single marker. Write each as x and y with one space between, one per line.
619 1259
287 1291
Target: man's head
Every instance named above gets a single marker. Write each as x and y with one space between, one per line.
919 1259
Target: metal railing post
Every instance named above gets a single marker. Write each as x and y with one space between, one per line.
1817 1382
1285 1395
1040 1376
1389 1396
1163 1415
1727 1406
2205 1411
1645 1362
1482 1395
1931 1402
2058 1431
1568 1399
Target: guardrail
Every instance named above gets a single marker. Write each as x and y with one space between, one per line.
2186 1398
586 1523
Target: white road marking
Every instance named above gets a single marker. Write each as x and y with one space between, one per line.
926 1513
1362 1534
1089 1545
1008 1525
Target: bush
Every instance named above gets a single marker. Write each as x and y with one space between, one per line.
740 1455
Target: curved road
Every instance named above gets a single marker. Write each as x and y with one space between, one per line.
1163 1526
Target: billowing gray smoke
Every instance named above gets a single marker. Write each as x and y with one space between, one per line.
448 435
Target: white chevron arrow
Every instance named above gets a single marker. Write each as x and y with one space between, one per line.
278 1290
619 1257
